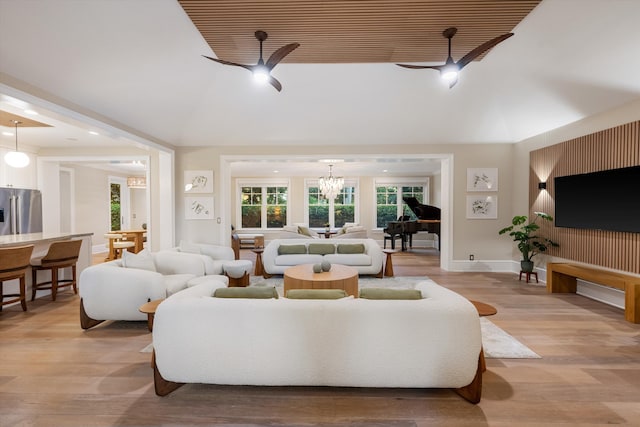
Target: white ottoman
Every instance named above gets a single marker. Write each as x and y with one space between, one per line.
238 272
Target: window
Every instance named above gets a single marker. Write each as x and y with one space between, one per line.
263 207
336 213
389 199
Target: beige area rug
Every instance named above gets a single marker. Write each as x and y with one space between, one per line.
497 343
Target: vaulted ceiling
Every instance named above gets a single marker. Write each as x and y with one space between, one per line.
138 65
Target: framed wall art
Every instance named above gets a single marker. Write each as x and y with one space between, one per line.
198 207
482 207
198 181
482 179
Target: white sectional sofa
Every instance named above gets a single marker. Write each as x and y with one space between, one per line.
277 259
433 342
115 290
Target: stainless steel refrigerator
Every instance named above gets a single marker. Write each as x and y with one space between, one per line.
20 211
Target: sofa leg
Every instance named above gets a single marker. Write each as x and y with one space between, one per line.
266 275
380 275
162 386
87 322
473 391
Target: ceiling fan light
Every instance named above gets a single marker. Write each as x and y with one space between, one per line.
261 74
449 72
16 159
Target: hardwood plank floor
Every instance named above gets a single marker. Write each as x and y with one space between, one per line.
52 373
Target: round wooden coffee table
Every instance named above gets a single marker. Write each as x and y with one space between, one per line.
339 277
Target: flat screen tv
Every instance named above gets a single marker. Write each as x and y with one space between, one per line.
605 200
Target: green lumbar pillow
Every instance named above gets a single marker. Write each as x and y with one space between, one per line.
316 294
292 249
248 292
382 293
322 248
351 248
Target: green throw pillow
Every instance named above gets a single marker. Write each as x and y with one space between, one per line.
322 248
316 294
351 248
249 292
382 293
304 230
292 249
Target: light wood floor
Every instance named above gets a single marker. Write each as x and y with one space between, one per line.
52 373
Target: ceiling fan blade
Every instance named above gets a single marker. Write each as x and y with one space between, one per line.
419 67
222 61
279 54
275 83
481 49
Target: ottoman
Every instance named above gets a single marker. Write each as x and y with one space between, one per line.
238 272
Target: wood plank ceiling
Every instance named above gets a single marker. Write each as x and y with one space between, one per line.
353 31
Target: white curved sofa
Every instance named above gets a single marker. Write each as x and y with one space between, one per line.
213 256
110 291
434 342
369 262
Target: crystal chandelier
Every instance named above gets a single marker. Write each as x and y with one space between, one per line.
330 186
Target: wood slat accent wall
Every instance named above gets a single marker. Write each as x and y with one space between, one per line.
612 148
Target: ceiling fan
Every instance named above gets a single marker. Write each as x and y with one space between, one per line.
450 69
262 71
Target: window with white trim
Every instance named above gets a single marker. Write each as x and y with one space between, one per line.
389 198
263 206
320 211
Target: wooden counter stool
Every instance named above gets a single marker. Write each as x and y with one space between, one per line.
60 255
14 263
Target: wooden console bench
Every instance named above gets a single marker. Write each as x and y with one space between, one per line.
562 278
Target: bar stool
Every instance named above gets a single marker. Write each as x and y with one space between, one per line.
60 255
117 245
14 263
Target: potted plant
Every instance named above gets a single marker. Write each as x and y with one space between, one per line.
529 244
327 227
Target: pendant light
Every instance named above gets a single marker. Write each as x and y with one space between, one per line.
330 186
16 159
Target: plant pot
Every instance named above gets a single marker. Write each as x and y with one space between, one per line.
526 266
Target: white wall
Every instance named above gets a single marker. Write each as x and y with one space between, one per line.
479 236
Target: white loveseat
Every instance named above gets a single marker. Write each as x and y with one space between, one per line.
114 291
275 261
434 342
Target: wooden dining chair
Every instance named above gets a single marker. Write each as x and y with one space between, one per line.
60 255
14 263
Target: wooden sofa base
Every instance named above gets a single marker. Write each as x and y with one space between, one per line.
471 392
87 322
562 278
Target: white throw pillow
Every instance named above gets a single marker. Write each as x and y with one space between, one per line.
350 224
354 229
191 248
143 260
291 228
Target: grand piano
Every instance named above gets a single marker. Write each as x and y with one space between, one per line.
428 220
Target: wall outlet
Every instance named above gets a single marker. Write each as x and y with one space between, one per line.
471 257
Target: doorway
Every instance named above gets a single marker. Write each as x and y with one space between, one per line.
118 204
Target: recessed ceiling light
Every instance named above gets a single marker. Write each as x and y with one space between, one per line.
31 112
93 132
276 171
385 170
7 133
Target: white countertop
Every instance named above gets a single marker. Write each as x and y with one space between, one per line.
25 239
